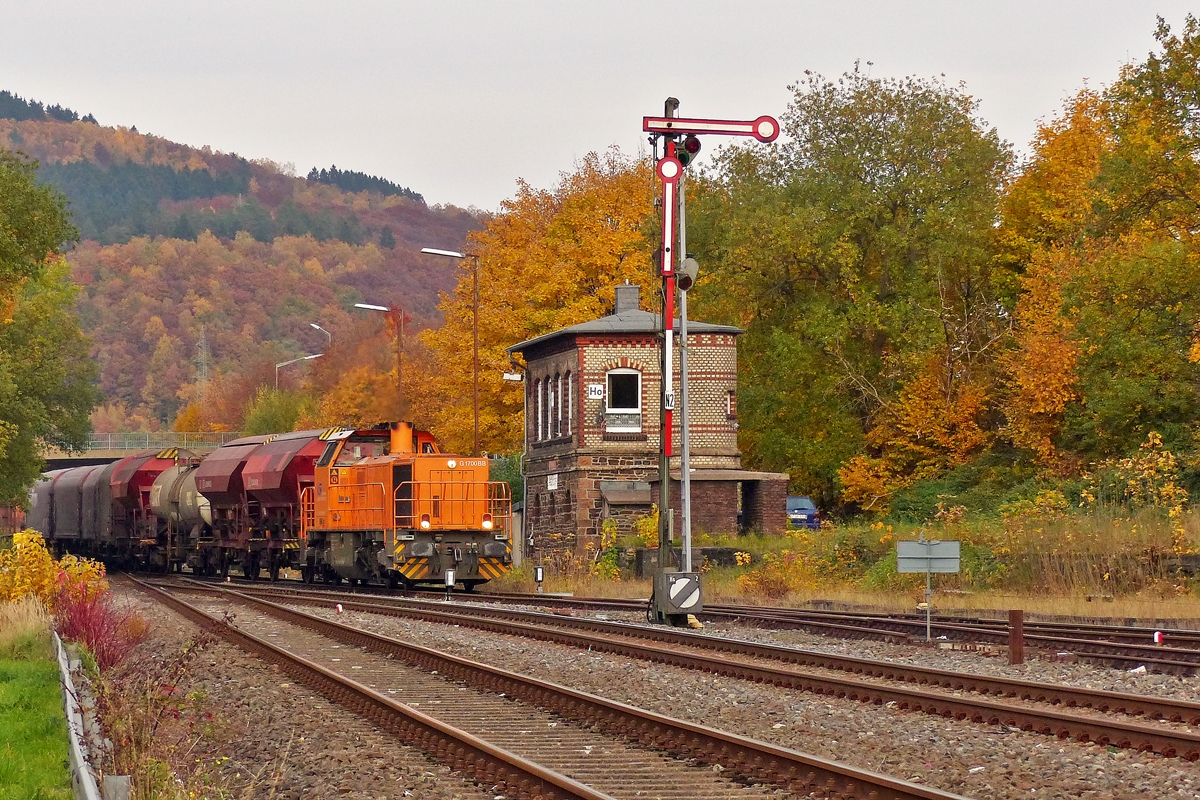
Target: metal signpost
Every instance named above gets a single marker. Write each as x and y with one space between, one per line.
928 556
677 594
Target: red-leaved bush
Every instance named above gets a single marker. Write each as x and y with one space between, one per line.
108 632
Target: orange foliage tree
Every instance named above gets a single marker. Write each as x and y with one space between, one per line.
548 259
936 423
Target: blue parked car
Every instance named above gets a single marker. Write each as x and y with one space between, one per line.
802 513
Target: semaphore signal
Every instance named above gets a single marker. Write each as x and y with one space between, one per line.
678 154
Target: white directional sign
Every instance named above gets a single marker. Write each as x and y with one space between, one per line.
927 556
595 391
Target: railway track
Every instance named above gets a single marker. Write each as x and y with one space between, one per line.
608 749
1108 645
753 662
1117 646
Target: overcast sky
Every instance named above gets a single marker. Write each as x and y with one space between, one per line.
458 100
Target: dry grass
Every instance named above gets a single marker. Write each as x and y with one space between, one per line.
24 629
721 588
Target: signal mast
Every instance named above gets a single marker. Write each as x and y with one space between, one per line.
677 589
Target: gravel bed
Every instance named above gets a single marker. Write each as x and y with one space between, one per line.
980 662
286 743
607 763
973 760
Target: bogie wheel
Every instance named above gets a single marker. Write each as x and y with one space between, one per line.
470 585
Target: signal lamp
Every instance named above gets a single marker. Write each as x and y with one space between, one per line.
487 522
424 522
687 152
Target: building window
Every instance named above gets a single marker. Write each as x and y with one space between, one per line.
731 404
537 432
624 398
570 402
558 407
549 390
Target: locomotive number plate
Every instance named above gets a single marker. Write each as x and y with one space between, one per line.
472 462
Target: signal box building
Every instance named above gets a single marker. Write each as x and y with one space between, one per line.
593 432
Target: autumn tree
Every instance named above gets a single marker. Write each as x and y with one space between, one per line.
858 257
46 378
549 258
1046 214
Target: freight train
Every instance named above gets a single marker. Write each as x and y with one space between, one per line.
380 504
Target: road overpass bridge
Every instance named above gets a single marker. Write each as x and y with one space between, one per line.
102 448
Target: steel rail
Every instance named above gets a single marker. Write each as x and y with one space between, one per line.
485 762
900 629
1118 733
776 614
745 757
1052 693
1047 636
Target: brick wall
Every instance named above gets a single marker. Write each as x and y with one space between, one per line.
714 507
765 503
573 443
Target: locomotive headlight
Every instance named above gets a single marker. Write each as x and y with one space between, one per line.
424 522
487 522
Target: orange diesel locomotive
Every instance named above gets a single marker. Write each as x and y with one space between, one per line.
386 505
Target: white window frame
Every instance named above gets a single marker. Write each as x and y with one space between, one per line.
570 400
558 408
608 400
537 431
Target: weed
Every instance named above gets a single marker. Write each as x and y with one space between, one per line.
164 737
108 632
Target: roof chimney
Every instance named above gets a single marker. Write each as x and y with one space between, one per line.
626 298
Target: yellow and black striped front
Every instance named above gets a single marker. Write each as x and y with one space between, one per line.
414 569
490 567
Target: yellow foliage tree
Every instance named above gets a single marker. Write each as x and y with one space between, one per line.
1055 196
28 570
548 259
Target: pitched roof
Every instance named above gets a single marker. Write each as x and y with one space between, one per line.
632 321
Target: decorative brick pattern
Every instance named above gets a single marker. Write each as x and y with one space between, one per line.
578 453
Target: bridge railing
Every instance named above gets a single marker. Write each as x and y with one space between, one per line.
159 440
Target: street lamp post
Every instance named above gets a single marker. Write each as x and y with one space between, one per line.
322 330
293 361
397 315
433 251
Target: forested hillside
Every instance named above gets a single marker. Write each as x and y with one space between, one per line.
199 270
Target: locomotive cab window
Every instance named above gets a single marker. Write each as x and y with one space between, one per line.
327 456
359 447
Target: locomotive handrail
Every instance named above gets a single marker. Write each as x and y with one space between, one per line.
451 505
308 511
359 514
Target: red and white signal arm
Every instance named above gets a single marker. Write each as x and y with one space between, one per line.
765 128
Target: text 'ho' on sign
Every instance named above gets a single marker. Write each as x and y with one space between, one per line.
595 391
926 556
